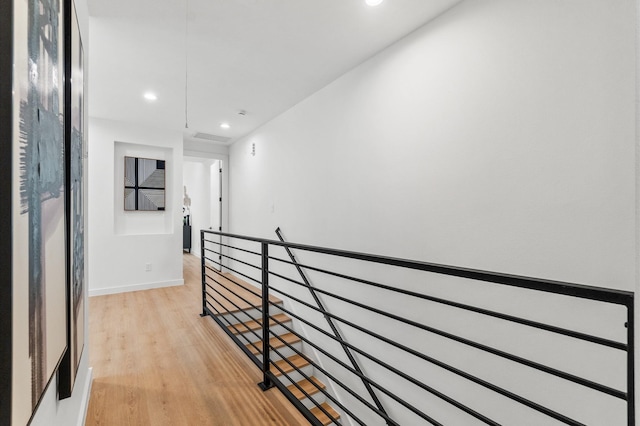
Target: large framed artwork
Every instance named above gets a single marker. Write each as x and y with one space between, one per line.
6 210
144 184
75 149
38 255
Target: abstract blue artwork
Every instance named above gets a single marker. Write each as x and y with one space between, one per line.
39 266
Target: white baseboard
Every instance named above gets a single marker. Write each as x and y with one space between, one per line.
86 394
133 287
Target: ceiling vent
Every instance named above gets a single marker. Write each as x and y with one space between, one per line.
212 138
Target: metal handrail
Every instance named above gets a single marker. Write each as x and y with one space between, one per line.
619 297
599 294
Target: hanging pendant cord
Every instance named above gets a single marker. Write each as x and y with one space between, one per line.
186 65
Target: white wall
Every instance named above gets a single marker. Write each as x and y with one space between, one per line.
501 136
123 243
71 411
498 137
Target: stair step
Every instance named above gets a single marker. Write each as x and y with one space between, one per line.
311 387
320 415
298 361
274 342
257 325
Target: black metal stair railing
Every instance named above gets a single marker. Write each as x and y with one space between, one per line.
252 259
332 325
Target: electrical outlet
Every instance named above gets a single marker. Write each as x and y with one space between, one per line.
147 267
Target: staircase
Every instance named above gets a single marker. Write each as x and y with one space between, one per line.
248 304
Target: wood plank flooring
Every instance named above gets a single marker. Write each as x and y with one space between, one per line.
157 362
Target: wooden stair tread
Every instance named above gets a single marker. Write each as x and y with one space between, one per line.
228 284
298 361
257 324
320 415
311 387
274 342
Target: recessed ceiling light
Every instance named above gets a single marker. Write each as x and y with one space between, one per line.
150 96
225 125
373 2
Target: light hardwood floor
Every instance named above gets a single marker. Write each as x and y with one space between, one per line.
157 362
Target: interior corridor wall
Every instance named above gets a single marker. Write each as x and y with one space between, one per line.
500 136
121 243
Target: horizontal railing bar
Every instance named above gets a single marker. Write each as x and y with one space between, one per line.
233 337
357 327
506 355
315 365
362 376
227 311
231 278
231 247
229 300
313 420
542 326
305 393
436 362
302 373
353 371
403 375
234 304
236 338
307 377
236 318
333 327
282 324
267 343
228 323
234 270
619 297
233 258
567 289
329 375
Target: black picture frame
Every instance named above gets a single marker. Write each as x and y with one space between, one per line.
75 145
6 211
144 184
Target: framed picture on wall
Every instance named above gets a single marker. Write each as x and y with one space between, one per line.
38 258
75 202
6 210
144 184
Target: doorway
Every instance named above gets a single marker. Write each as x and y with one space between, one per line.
202 199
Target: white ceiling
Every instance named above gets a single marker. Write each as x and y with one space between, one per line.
261 56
